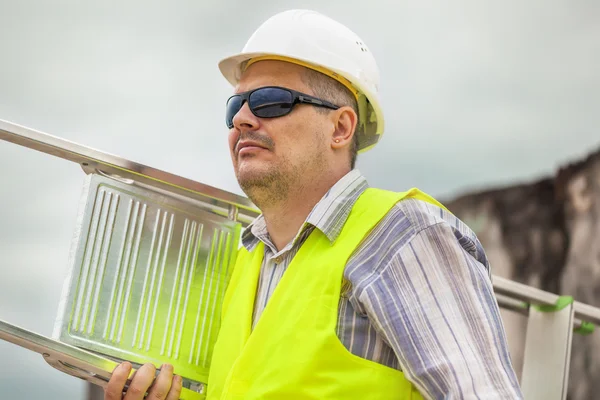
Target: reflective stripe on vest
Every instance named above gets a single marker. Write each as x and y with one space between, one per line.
293 351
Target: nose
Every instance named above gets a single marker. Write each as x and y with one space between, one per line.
245 120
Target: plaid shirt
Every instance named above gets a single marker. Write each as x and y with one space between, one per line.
418 295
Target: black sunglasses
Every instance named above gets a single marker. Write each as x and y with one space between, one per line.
270 102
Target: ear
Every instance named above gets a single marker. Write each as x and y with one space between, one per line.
345 120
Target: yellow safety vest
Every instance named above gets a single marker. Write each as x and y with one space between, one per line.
293 352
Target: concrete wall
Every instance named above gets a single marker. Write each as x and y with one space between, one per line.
546 234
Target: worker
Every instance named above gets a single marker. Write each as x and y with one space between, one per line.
339 290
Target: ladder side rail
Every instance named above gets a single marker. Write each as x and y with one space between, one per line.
531 295
547 354
93 160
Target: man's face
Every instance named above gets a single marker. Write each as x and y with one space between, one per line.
277 153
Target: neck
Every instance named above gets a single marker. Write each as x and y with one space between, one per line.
285 214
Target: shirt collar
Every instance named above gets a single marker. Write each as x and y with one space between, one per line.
329 215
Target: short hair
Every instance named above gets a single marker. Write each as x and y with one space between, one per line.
335 92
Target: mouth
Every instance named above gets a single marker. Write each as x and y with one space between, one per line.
249 147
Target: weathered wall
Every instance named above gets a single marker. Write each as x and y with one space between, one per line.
546 234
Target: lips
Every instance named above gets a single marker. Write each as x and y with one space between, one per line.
248 144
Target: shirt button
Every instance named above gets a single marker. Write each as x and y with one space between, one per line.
277 260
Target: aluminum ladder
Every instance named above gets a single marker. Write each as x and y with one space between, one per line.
145 238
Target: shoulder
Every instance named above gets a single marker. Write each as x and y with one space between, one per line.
391 239
423 215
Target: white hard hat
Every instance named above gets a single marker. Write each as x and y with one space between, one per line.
318 42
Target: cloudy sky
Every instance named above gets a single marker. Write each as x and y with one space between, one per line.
476 93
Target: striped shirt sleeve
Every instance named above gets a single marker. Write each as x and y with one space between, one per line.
433 303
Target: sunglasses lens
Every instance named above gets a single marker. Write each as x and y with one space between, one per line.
270 102
234 104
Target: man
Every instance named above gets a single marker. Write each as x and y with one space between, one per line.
340 291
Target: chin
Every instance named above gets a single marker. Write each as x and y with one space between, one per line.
247 173
249 176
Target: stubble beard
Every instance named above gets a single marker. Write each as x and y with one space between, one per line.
266 187
274 185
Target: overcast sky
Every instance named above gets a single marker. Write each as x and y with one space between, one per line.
476 94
